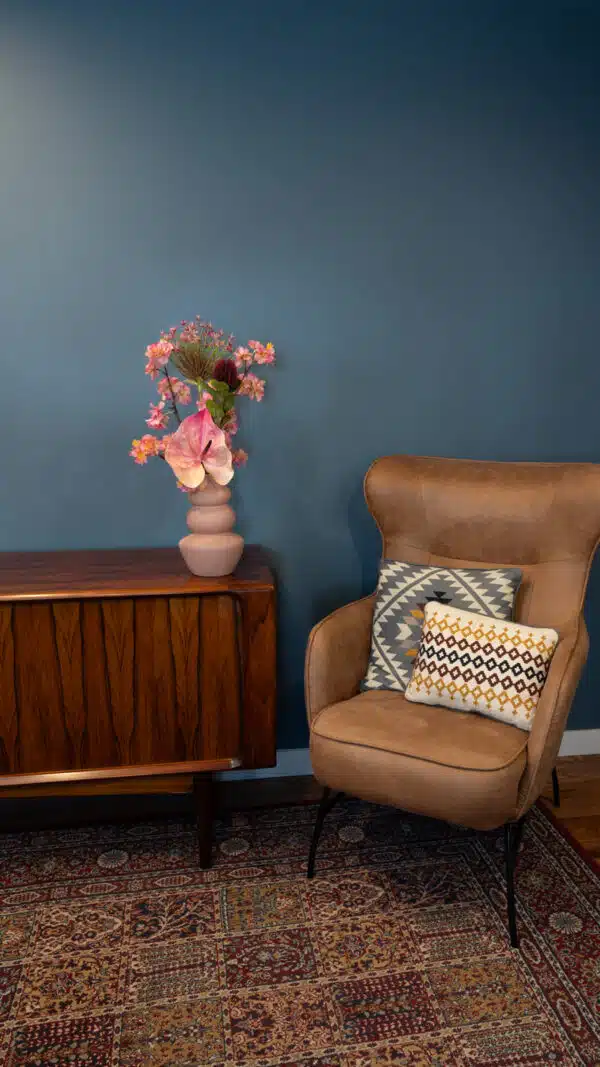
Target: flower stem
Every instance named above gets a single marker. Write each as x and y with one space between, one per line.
175 411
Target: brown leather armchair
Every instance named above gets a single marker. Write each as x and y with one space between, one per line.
464 768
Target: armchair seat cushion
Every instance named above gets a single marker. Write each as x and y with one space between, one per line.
446 764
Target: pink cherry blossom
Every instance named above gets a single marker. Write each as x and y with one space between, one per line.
252 386
243 357
239 457
157 355
159 418
231 424
181 391
230 427
197 448
264 353
144 447
188 331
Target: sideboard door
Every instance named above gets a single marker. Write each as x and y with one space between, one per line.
126 682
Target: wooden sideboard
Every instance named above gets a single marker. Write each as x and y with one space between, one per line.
120 664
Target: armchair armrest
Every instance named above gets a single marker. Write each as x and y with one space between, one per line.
337 655
552 712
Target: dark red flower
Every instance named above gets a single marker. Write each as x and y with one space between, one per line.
226 371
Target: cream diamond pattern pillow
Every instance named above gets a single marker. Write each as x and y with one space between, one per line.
403 591
470 662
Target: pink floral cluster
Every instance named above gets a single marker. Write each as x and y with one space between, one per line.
148 445
254 352
157 356
199 330
230 428
200 445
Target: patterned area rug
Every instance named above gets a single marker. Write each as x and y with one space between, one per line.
115 949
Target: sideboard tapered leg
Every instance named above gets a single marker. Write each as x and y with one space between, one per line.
555 788
204 804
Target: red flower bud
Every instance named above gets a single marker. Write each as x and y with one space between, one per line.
225 370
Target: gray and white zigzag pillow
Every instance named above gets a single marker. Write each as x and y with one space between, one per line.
402 592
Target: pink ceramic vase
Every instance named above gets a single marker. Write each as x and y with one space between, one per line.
212 549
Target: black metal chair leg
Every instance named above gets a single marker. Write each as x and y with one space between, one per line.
513 832
518 834
555 789
510 884
327 801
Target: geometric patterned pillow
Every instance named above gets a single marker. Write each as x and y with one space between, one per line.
403 591
470 662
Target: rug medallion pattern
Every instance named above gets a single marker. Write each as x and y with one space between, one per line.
116 950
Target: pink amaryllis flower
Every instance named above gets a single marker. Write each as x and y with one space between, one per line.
199 448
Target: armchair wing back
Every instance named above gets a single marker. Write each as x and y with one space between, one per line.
541 517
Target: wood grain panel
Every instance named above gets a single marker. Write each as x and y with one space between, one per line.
258 654
185 648
155 736
219 676
67 633
119 643
43 740
8 698
101 741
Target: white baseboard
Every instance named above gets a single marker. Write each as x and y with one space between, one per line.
580 743
296 761
290 762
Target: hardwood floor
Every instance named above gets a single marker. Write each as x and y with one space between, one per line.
579 811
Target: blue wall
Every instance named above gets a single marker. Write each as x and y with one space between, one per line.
402 195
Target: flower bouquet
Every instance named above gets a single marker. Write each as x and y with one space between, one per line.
195 363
